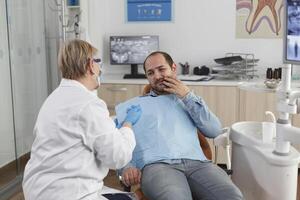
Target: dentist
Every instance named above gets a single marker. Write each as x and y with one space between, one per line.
76 142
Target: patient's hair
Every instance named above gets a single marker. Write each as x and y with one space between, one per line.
164 54
74 57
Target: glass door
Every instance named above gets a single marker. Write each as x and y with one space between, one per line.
23 83
8 162
29 71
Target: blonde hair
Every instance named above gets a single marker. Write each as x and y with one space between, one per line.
74 57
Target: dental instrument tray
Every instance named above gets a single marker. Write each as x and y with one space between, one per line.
194 77
238 66
228 60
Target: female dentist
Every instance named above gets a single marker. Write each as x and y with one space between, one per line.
76 142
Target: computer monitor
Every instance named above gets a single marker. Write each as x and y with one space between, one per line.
132 50
292 32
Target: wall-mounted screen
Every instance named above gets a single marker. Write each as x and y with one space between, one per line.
292 32
132 50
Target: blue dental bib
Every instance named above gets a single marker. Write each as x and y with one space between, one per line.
165 130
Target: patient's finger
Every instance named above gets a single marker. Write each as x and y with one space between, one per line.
130 177
139 176
124 181
128 180
136 176
168 84
172 80
127 177
169 90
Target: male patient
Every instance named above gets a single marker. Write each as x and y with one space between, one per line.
168 161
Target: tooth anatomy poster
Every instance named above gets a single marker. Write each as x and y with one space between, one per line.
259 18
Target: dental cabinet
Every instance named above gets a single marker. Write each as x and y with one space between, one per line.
222 100
252 105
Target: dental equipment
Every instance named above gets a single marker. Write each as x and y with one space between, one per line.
269 128
264 169
286 105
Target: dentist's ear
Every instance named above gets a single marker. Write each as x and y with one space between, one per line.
91 67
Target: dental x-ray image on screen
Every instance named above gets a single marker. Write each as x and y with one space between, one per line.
131 49
292 31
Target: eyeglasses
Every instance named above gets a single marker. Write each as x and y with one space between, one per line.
97 60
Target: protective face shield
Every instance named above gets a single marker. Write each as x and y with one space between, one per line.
98 77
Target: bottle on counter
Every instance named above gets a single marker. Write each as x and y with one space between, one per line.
276 74
273 78
280 72
269 73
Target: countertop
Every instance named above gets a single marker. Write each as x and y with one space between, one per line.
252 85
118 79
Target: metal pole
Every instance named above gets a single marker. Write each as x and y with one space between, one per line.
63 20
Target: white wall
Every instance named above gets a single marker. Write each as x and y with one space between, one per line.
201 30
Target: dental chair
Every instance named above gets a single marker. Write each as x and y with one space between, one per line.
220 141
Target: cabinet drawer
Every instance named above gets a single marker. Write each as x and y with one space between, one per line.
221 100
114 94
254 104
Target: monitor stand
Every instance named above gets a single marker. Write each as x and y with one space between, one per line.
134 73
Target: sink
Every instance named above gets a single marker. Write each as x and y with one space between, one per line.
246 133
257 171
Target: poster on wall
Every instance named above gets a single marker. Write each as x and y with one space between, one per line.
292 40
149 10
259 18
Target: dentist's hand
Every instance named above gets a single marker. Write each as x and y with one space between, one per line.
118 125
133 114
175 86
131 176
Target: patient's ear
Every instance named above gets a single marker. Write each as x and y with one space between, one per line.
146 89
174 67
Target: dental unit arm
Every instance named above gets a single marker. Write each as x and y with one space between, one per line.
286 105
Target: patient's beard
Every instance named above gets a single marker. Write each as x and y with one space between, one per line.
158 88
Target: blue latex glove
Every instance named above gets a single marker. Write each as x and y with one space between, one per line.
118 125
133 114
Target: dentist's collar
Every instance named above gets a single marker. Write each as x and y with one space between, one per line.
70 82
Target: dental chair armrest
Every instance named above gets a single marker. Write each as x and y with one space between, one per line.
222 139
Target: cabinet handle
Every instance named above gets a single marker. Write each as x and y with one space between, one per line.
117 89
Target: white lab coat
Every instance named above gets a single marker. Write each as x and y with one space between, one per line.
75 144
